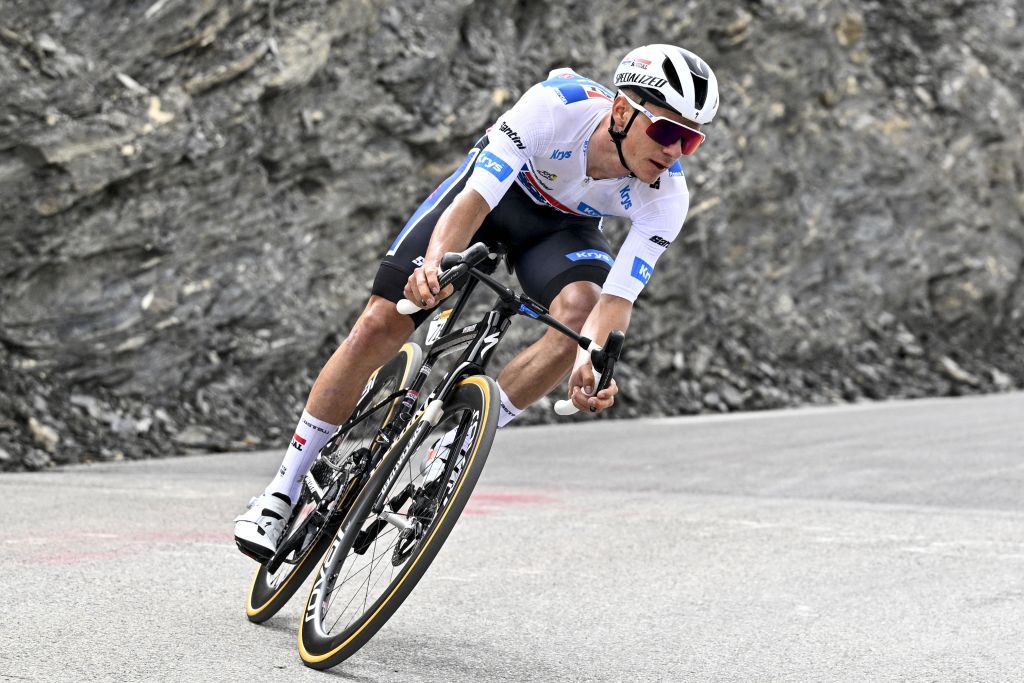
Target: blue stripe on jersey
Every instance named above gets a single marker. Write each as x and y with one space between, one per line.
524 183
432 200
573 88
572 93
676 169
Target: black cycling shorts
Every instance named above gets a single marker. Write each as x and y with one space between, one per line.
548 249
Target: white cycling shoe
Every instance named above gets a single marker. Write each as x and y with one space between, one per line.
258 530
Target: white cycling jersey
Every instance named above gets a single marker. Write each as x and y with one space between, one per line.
541 145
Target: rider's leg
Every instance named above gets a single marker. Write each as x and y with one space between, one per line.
540 368
377 335
375 338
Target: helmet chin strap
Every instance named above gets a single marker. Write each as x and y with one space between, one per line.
619 135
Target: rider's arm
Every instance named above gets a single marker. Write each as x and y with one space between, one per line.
611 313
517 135
655 223
453 231
652 231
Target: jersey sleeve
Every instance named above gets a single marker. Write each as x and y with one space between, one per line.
517 135
653 228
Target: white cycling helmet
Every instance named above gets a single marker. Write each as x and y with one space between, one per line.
671 77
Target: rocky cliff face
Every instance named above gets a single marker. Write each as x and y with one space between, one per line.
194 195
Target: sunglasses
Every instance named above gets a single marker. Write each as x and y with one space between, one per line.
667 132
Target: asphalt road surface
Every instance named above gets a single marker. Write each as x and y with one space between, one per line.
871 542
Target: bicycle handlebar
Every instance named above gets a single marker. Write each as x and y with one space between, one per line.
603 358
453 264
470 257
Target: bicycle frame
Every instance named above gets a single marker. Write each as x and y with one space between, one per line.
479 341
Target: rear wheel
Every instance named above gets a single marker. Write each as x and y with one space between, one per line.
317 515
379 556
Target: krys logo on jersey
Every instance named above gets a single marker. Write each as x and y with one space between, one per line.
624 198
642 270
498 167
590 255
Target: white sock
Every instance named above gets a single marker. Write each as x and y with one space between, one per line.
508 410
310 436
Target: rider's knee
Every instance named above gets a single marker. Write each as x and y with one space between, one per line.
379 325
574 303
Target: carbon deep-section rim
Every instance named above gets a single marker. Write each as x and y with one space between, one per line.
327 635
268 593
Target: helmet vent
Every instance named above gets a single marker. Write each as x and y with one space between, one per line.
699 72
670 73
700 90
697 67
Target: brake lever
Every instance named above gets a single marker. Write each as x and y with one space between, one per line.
406 307
603 359
454 264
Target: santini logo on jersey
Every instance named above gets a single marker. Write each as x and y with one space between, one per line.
496 166
514 136
660 241
640 79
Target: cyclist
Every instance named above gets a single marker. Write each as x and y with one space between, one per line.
567 153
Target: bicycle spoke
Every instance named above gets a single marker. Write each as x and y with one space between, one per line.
354 595
374 561
372 578
350 574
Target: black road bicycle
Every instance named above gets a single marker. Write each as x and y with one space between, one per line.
370 505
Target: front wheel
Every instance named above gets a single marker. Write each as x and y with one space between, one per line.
380 555
311 530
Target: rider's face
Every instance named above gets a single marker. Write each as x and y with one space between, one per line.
646 158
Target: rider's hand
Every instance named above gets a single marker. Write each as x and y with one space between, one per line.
423 288
581 390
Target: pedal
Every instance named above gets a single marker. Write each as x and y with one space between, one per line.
253 552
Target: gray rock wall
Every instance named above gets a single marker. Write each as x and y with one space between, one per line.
194 196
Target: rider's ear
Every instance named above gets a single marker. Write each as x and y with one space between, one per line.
619 107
